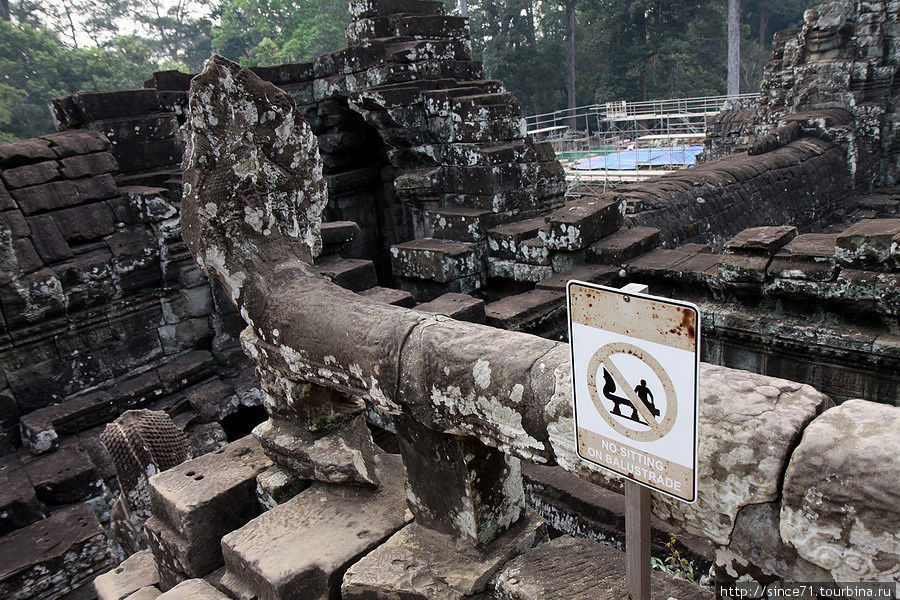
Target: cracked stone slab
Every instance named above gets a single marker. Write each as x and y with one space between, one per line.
419 564
841 493
300 549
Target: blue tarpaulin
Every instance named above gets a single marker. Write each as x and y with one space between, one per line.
630 160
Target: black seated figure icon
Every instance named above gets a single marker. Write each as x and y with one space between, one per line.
646 397
642 391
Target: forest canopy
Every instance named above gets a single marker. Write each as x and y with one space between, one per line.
623 49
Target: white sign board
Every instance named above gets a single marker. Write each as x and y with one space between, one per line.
635 364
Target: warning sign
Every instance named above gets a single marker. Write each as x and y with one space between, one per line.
635 364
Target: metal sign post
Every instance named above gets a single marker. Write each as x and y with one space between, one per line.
635 365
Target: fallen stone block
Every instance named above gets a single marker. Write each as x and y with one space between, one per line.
580 569
517 271
533 252
461 307
458 224
503 241
419 564
743 268
197 502
336 524
49 558
336 235
136 572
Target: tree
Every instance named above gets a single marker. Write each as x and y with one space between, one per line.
734 47
267 32
38 67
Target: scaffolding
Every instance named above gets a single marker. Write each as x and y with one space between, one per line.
603 145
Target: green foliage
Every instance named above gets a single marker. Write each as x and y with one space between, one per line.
674 563
270 32
38 67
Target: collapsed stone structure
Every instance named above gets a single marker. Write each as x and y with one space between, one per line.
397 166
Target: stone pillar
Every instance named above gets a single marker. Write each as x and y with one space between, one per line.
457 485
313 432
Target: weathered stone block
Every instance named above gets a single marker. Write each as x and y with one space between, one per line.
86 222
624 245
343 454
88 164
134 573
503 241
197 502
64 477
25 151
336 235
840 493
764 241
390 296
743 268
582 222
47 196
276 486
458 486
533 252
354 274
869 241
526 311
437 260
53 556
76 141
441 567
18 504
602 274
28 175
337 523
193 589
517 271
461 307
459 224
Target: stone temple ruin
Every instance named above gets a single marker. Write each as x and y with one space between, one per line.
387 252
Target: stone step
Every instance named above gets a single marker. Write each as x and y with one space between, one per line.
390 296
355 274
535 311
570 568
55 555
436 260
623 245
197 502
461 307
503 241
602 274
580 223
300 549
457 224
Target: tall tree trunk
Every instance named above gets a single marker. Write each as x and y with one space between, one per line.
734 47
4 10
642 42
570 59
763 24
464 7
